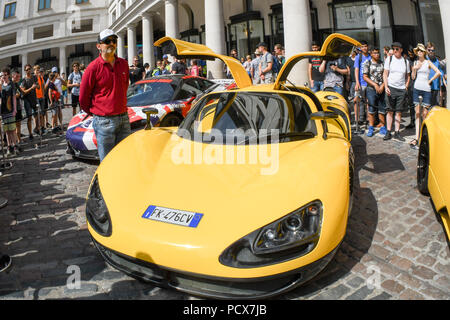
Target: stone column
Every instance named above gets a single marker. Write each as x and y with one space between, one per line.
121 44
131 35
147 38
215 36
297 36
24 62
444 6
172 26
62 60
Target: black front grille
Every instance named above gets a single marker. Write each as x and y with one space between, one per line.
212 287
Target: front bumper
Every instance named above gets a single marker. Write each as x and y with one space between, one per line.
82 154
213 287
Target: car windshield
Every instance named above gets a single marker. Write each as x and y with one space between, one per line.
249 118
148 93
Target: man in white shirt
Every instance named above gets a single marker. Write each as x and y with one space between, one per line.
265 64
396 79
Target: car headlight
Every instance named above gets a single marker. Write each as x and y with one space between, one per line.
290 237
96 211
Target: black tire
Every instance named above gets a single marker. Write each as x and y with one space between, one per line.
171 120
423 163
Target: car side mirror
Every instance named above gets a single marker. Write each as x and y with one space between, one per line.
148 112
323 115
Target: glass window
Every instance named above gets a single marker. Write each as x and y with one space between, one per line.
246 35
44 4
365 20
148 93
10 10
432 25
244 117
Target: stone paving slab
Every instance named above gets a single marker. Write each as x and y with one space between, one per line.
395 246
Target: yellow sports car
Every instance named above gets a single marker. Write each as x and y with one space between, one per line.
433 172
248 198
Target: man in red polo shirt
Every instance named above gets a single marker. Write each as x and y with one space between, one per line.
103 93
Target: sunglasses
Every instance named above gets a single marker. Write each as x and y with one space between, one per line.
430 50
28 69
109 40
396 49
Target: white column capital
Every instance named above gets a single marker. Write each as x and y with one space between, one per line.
147 14
131 25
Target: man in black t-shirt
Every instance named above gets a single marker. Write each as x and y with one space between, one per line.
315 77
350 79
28 89
178 67
137 72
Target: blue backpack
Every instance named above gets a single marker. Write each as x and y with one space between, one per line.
276 66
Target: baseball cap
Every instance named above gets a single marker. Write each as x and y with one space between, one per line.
262 44
257 51
105 34
165 56
397 44
54 69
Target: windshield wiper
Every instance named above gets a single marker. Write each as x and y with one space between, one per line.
305 135
279 137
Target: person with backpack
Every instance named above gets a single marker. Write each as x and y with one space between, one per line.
373 75
396 81
360 101
74 82
278 59
54 96
265 64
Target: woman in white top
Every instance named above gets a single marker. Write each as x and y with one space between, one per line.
422 86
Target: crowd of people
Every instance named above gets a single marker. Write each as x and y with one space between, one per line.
32 98
381 86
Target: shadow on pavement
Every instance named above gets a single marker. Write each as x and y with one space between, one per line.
361 225
42 227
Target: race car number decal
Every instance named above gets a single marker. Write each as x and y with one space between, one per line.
174 216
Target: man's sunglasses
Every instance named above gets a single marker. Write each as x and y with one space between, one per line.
430 50
28 69
396 49
109 40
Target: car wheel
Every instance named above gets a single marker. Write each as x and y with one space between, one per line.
171 120
423 163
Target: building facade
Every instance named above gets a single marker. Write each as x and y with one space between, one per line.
50 32
57 32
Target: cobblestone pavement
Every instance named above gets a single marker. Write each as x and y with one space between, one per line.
395 247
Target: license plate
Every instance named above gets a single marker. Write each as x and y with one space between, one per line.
174 216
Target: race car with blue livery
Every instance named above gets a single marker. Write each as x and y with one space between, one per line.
171 95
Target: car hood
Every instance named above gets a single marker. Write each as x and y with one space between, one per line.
235 199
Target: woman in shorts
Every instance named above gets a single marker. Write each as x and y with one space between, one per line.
422 86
